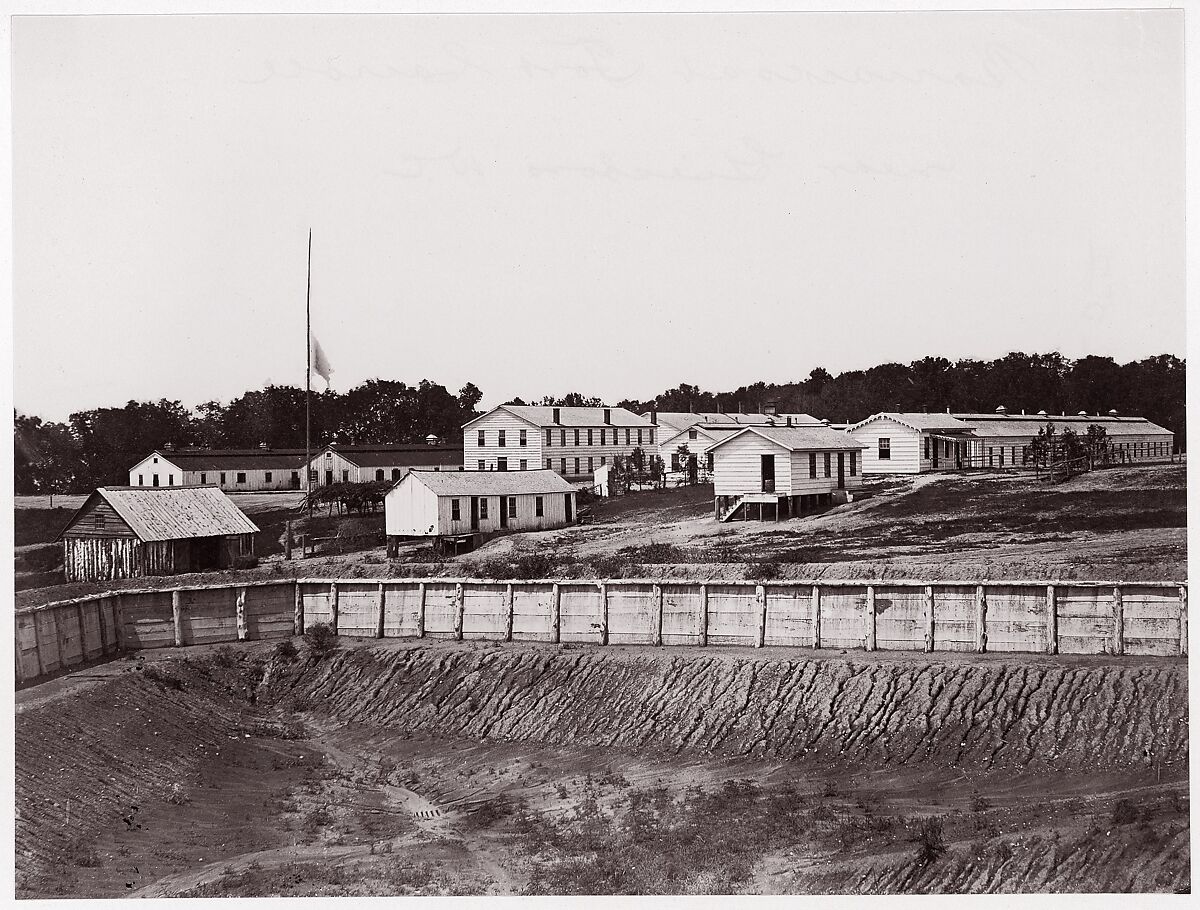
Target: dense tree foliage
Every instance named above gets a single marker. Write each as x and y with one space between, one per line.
97 447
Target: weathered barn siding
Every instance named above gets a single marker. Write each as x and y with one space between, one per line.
533 612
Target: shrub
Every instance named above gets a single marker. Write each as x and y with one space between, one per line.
1124 812
763 571
931 840
285 651
225 656
321 641
980 803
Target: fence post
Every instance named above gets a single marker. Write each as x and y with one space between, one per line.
980 619
298 615
658 615
421 613
240 608
1051 621
101 605
333 606
1118 621
382 610
816 616
118 623
1183 625
869 636
760 602
177 615
603 613
554 615
460 606
508 612
704 616
83 638
928 618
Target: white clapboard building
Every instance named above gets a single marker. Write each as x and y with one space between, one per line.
572 442
911 443
771 472
452 503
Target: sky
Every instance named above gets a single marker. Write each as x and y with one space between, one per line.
605 204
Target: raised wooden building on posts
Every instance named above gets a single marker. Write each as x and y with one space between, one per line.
125 532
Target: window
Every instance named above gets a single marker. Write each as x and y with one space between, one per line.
603 435
827 473
549 464
1001 456
577 464
223 477
100 521
927 452
537 506
576 437
395 473
141 482
482 465
524 465
203 477
639 437
156 459
170 480
483 506
378 474
501 464
885 448
480 439
693 434
268 476
562 437
522 439
549 437
603 459
500 439
455 511
812 464
564 466
946 451
626 437
853 463
674 461
591 466
296 479
241 477
589 437
710 461
512 507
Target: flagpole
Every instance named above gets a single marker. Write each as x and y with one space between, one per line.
308 383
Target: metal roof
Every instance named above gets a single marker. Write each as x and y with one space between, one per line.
231 459
542 417
986 425
172 513
397 456
489 483
683 420
916 421
798 438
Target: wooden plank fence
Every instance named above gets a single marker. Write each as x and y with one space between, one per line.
1075 617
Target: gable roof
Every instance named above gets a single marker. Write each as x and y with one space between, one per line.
171 513
683 420
542 417
489 483
230 459
918 421
383 456
797 438
1029 424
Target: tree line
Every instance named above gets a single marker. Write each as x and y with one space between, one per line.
98 446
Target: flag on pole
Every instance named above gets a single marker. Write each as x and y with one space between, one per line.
317 359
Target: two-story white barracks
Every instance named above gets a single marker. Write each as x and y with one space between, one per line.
698 430
572 442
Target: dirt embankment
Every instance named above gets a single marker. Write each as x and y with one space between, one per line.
998 714
439 767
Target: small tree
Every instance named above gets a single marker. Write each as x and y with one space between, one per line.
1096 442
321 641
679 459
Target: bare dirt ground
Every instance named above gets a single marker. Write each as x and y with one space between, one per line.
448 768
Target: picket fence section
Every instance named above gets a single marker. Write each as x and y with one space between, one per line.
1143 618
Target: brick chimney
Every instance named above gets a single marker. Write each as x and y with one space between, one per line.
608 415
557 415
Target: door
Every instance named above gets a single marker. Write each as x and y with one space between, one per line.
768 473
329 478
504 511
206 553
501 465
691 469
841 470
936 445
567 497
474 513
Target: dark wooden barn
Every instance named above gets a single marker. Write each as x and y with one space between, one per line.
124 532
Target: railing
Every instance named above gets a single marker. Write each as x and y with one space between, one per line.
1071 617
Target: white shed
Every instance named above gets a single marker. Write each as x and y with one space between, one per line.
778 472
444 503
910 443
